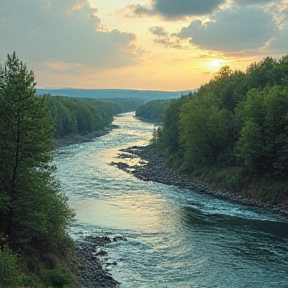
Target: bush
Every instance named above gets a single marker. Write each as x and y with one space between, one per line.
58 278
10 269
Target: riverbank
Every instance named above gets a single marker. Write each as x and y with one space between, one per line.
153 167
92 268
76 138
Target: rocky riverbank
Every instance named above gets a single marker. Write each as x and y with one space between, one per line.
153 167
92 269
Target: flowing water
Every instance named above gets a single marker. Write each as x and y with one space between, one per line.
175 237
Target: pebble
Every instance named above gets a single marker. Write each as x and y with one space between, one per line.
157 170
91 272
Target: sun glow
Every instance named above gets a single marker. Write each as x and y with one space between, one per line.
216 63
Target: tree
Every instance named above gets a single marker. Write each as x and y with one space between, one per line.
261 74
169 140
34 215
204 130
263 143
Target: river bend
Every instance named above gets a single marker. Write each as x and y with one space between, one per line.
175 237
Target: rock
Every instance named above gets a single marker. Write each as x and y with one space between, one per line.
101 253
118 238
157 170
90 271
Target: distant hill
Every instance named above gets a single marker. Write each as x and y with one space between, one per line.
111 93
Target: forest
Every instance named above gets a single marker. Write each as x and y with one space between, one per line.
152 110
81 116
233 132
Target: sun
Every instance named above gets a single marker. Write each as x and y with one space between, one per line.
216 63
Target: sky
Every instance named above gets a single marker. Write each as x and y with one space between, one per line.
168 45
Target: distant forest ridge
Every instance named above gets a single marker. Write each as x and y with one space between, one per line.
112 93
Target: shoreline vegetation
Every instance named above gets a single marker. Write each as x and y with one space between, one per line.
35 247
231 132
76 138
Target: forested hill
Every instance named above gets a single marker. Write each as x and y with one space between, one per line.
111 93
81 116
83 111
152 110
233 132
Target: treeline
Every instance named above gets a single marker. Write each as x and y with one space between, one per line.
77 116
152 110
234 130
83 116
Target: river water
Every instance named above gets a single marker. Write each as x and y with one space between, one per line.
175 237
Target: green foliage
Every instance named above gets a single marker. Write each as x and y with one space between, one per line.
152 110
125 104
74 116
228 86
204 130
58 278
10 269
169 140
82 116
263 144
34 215
236 122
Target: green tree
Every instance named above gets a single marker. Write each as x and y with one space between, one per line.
230 87
260 74
263 144
152 110
204 130
169 140
34 215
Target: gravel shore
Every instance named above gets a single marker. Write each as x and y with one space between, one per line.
153 167
93 270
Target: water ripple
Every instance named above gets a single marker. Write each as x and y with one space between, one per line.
175 237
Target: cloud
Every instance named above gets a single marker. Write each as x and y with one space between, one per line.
140 10
66 31
158 31
278 45
164 38
252 2
175 9
234 30
281 15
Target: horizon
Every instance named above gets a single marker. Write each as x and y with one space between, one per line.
129 89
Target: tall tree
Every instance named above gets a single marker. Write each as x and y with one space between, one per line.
34 214
204 130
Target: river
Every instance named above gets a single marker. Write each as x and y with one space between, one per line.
175 237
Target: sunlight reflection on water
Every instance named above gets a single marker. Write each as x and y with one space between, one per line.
175 237
141 213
